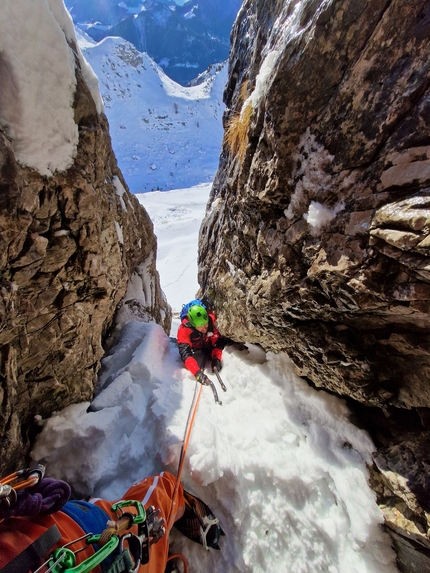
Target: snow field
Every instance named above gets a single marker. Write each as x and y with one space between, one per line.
278 462
177 216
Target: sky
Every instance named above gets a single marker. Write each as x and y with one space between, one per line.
279 463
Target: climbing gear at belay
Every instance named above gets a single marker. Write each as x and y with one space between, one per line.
121 551
63 560
26 494
24 478
151 529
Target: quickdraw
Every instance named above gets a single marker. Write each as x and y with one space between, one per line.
17 481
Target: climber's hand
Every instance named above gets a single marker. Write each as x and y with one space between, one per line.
216 364
202 378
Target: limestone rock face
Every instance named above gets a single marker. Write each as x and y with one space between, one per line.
316 237
68 246
321 235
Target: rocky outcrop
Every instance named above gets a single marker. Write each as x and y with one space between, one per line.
70 242
316 238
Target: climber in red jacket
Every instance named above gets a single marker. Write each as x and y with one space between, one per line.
198 339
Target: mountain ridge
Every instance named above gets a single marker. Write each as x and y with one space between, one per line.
164 135
183 40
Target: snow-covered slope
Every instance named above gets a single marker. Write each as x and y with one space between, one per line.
177 216
279 463
165 136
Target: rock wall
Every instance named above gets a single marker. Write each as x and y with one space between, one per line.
316 237
68 247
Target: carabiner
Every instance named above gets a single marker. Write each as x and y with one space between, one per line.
24 478
141 513
8 496
134 547
67 558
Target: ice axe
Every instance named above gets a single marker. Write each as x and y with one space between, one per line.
223 386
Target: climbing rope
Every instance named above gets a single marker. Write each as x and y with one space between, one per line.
189 426
181 557
115 528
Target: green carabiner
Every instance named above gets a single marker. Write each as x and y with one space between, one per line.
141 513
68 563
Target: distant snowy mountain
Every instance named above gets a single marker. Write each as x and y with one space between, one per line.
165 136
183 40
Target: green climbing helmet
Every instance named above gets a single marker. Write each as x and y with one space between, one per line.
198 316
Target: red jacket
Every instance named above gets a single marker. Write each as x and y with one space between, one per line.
190 339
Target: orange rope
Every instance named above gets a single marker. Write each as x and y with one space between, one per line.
115 528
182 558
191 416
